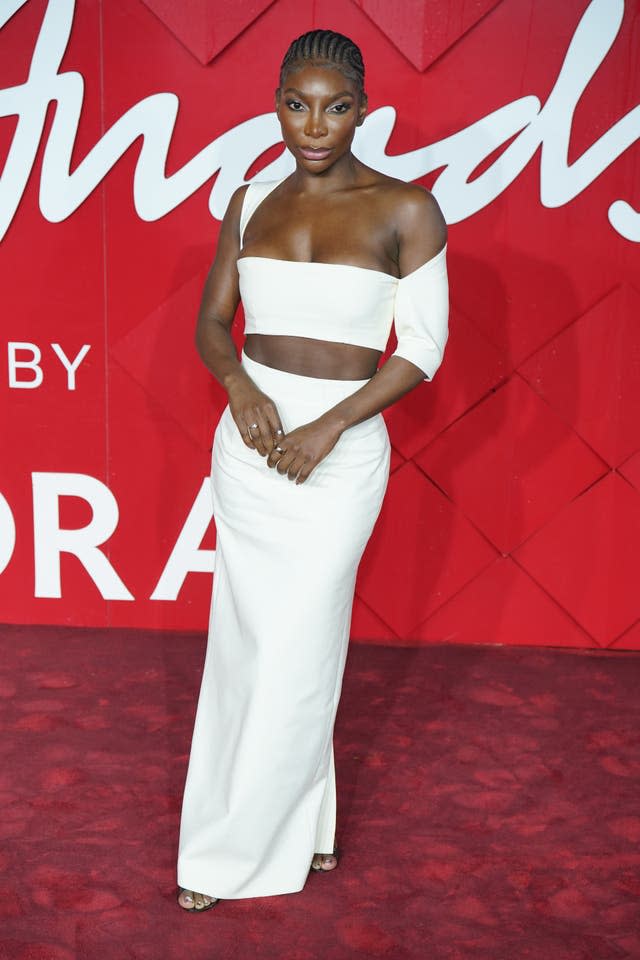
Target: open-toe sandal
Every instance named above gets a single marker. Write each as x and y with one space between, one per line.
195 909
320 868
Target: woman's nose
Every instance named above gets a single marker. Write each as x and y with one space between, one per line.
316 125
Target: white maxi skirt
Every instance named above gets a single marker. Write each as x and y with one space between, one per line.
260 792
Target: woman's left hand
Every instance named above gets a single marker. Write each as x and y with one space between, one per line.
300 451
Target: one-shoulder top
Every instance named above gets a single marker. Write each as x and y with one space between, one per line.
345 304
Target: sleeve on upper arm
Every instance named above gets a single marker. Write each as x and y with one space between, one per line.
421 315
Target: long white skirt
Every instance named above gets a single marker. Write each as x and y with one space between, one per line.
260 794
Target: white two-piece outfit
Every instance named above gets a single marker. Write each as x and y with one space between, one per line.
260 791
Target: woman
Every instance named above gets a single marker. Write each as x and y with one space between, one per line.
323 260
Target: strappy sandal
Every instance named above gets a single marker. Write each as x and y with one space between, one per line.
320 869
195 909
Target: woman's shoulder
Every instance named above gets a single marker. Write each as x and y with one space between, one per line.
409 203
414 215
236 202
251 193
246 198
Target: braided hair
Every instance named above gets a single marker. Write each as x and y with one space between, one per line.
325 46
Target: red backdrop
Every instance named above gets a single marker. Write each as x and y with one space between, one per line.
513 509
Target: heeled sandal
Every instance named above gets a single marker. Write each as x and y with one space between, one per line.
194 909
320 868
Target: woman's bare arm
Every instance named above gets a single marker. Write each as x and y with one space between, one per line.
220 299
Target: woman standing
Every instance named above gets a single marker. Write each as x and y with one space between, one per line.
323 260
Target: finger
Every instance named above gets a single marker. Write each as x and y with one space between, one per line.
246 426
295 464
263 437
275 423
304 473
275 455
301 475
295 468
285 461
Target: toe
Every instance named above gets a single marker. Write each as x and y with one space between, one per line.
203 900
324 861
186 899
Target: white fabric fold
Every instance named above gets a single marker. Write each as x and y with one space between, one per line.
421 315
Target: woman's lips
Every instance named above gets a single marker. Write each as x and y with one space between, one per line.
310 154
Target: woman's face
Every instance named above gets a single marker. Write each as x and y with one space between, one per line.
319 109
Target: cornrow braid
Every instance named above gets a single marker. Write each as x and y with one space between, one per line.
329 47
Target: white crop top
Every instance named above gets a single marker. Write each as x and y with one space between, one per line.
346 304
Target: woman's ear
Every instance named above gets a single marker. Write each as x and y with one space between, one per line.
277 98
362 109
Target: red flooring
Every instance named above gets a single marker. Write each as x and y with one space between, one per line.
488 806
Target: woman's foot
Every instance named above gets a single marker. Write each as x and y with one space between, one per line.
190 900
324 861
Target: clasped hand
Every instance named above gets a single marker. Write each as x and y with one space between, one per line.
294 454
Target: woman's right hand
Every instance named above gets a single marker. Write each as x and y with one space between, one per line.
256 417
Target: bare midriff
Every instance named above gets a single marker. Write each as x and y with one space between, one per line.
312 358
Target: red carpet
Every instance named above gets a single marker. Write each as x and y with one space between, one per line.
488 806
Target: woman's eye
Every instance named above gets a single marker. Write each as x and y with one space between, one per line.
341 107
294 105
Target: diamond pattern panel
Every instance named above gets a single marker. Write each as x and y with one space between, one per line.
510 464
423 30
630 639
165 363
473 366
588 558
503 605
518 300
365 623
205 27
590 373
437 549
631 470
